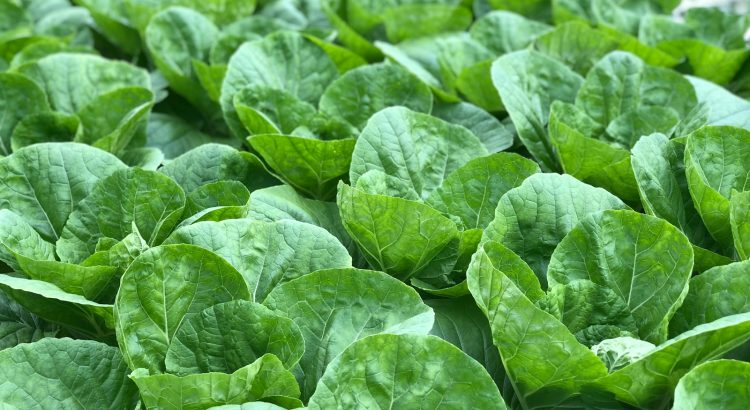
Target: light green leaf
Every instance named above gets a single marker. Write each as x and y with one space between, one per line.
263 109
105 113
419 149
504 32
313 166
362 92
398 236
337 307
151 201
161 289
494 134
43 182
48 126
534 217
523 334
225 337
645 260
739 217
473 191
713 385
72 81
575 44
712 295
717 161
21 97
19 240
528 83
172 135
216 162
263 379
650 381
405 371
724 107
96 283
65 373
284 61
266 253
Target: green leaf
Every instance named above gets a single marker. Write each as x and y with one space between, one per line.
621 351
215 195
590 311
717 162
225 337
461 323
494 134
111 18
283 202
263 379
645 260
575 44
398 236
105 113
267 254
313 166
712 295
504 32
404 371
739 217
43 182
534 217
266 110
528 83
21 98
524 334
416 148
48 126
473 191
151 201
363 91
336 307
284 61
72 81
161 289
173 135
74 312
659 167
717 384
621 83
91 282
19 240
475 84
174 38
215 162
65 373
407 21
724 107
18 325
650 381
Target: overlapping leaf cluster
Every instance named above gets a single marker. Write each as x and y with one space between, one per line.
437 204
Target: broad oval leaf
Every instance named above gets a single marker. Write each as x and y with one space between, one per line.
42 183
405 371
18 238
227 336
72 81
267 253
286 61
645 260
472 191
21 97
720 384
337 307
534 217
162 288
416 148
147 199
398 236
717 161
65 373
363 91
